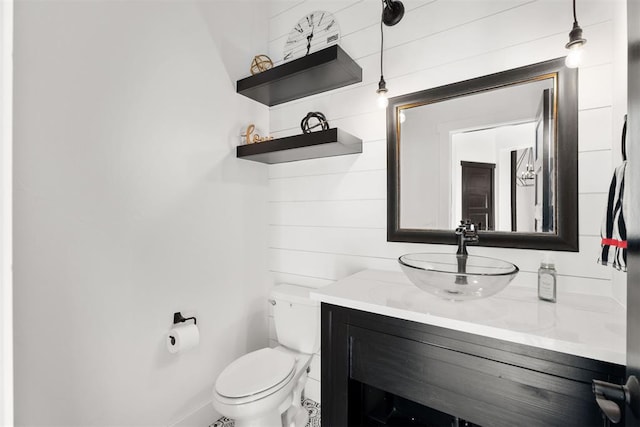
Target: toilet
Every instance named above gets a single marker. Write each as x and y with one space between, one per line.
265 387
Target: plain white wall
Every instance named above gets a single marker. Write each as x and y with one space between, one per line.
130 205
328 216
6 289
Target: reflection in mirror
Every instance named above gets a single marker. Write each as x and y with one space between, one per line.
484 128
498 150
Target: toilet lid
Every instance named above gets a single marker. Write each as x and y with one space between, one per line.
255 372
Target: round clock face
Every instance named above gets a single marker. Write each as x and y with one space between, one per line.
313 32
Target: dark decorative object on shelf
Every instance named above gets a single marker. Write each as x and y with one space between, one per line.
320 119
260 63
320 71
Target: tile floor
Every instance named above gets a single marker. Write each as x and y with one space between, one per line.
312 407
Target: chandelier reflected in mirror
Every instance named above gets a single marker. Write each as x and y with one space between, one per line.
525 169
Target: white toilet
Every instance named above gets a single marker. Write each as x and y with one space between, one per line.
264 388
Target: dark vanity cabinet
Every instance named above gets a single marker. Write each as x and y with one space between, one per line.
379 370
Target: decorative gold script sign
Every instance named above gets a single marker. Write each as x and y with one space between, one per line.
251 138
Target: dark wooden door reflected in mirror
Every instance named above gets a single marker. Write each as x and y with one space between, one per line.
478 187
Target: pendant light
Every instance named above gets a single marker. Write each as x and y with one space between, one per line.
392 13
576 43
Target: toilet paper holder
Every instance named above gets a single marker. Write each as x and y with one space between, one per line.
179 318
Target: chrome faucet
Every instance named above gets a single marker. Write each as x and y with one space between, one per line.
467 235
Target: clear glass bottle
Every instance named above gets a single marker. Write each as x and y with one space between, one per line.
547 279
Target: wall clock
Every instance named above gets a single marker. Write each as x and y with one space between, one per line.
313 32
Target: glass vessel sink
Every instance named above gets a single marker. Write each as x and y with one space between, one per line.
457 277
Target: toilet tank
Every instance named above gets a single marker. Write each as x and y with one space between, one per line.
297 318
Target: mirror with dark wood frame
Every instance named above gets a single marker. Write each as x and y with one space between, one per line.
500 150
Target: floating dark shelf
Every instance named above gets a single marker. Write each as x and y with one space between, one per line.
317 72
327 143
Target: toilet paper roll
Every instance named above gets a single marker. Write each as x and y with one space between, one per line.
182 338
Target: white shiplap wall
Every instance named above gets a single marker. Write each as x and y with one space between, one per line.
327 217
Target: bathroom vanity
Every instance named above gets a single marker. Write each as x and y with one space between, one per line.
395 355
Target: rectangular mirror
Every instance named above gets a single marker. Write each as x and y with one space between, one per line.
500 150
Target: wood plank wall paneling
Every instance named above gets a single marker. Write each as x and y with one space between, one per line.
328 216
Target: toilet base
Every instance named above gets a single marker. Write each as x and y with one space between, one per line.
300 419
270 419
311 407
295 415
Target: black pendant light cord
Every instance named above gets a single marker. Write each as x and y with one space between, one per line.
382 38
575 18
392 13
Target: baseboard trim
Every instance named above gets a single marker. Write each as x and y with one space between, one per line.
201 417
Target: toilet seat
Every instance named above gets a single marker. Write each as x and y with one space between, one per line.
255 375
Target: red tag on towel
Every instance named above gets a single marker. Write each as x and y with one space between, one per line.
614 242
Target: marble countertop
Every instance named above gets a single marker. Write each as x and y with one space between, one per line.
583 325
